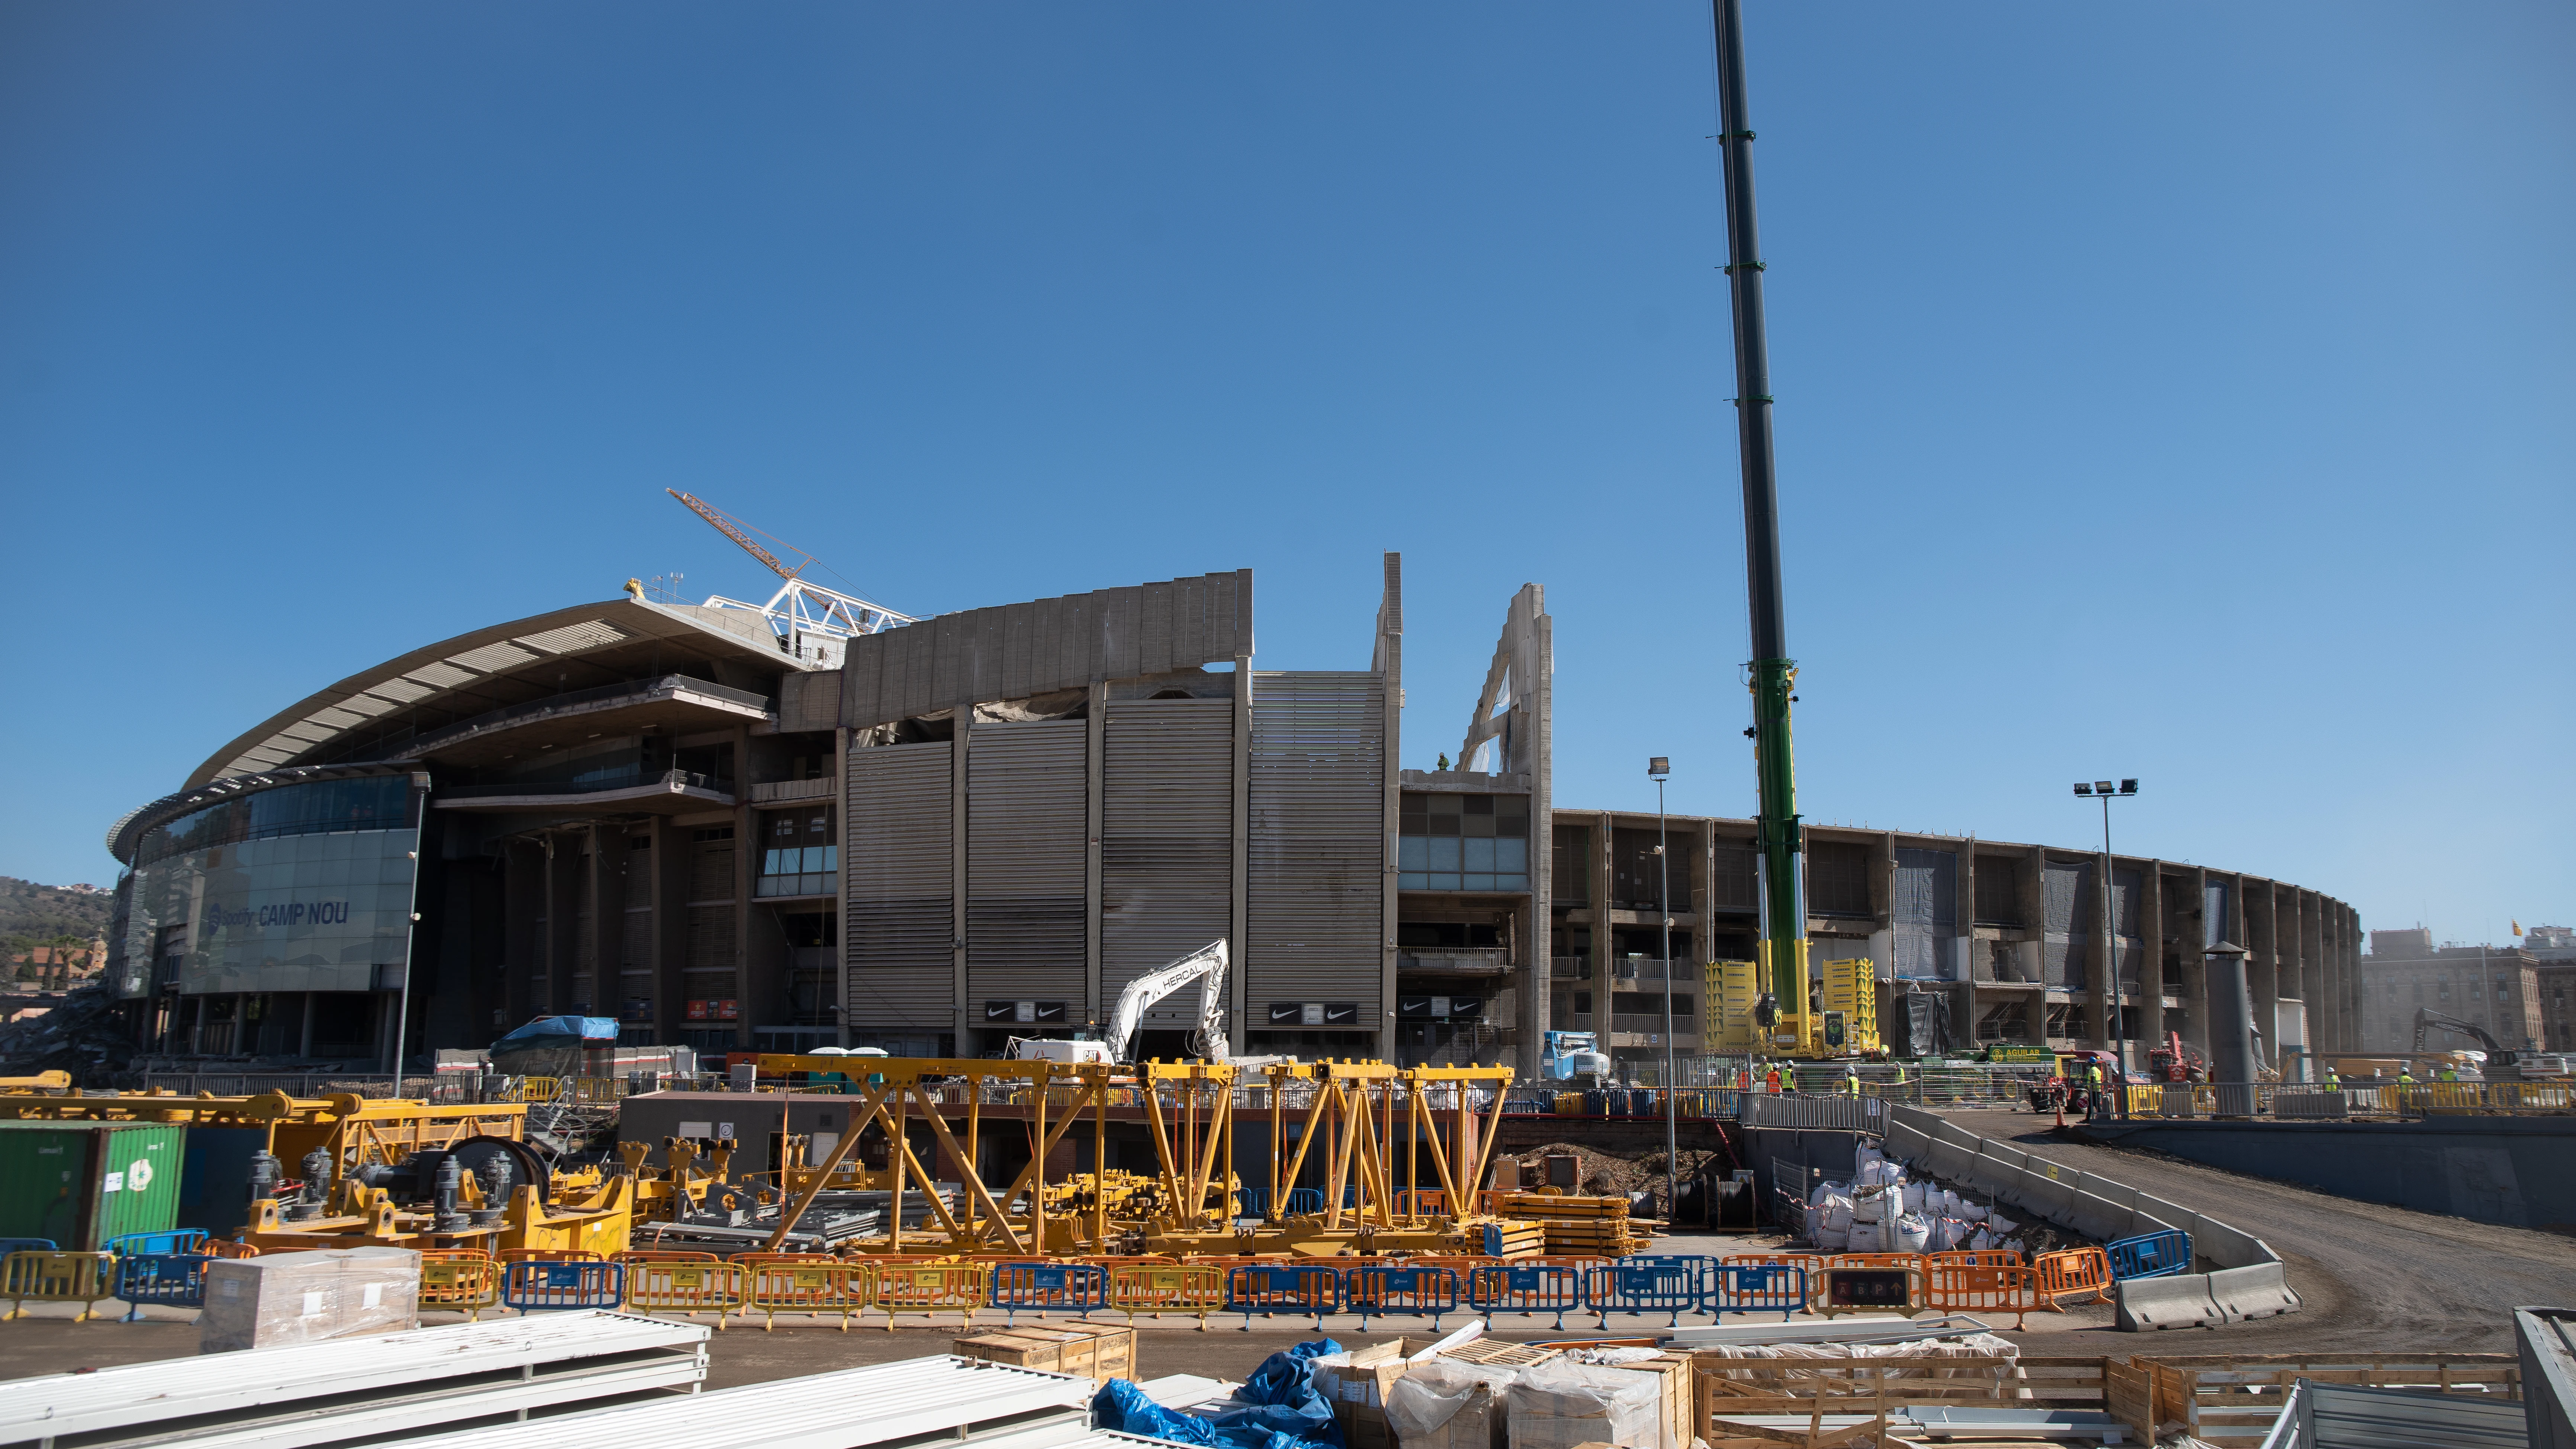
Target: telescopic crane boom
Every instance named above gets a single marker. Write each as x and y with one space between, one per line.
1784 1010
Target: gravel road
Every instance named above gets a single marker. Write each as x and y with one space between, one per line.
2373 1277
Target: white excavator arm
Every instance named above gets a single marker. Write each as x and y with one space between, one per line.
1206 966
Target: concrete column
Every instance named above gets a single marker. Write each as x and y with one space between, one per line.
2312 946
1390 821
2032 890
1095 763
2151 963
959 744
1239 865
2195 962
2262 968
841 902
1882 907
672 847
607 890
563 918
746 868
523 885
1602 830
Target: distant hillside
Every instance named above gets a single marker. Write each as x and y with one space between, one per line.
33 912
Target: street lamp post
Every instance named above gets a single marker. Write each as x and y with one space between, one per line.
2102 790
1656 769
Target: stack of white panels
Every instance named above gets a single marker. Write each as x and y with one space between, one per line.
361 1390
945 1396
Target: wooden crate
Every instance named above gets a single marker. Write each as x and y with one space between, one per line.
1095 1351
1871 1388
1497 1353
2234 1399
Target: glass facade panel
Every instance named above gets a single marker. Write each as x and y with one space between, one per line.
1462 843
289 912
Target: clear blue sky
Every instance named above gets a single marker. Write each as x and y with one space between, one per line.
2179 391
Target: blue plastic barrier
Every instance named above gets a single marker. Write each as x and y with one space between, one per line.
1075 1287
1526 1288
1756 1288
1390 1291
2150 1255
1644 1285
1262 1289
538 1286
1305 1201
177 1240
27 1245
172 1280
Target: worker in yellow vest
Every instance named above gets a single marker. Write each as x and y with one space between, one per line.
1851 1081
2334 1083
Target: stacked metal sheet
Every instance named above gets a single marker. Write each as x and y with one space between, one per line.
360 1390
945 1397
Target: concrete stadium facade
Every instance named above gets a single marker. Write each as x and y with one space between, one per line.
734 835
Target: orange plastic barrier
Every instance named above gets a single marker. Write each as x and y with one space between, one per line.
1858 1288
692 1285
1179 1288
824 1287
1970 1288
2075 1275
1977 1258
928 1288
462 1279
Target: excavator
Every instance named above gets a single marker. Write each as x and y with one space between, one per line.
1206 966
2500 1063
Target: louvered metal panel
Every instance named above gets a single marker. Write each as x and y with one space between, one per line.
1025 818
895 872
1318 805
1166 840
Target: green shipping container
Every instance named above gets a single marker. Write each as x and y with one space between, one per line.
82 1183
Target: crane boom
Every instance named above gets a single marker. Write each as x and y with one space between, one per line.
727 525
1783 1009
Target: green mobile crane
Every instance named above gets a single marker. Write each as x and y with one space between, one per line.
1785 1009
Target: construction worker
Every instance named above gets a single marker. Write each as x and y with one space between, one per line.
2449 1073
2406 1076
1772 1080
1851 1081
2094 1105
2334 1083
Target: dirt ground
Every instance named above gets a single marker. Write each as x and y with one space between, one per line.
2373 1277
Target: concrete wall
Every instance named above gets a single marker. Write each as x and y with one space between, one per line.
2517 1171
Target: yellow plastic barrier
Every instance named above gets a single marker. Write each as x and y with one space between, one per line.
462 1279
930 1287
1971 1288
41 1277
793 1287
1145 1288
667 1285
2074 1275
540 1089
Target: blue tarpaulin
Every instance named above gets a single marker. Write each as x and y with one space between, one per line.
1291 1414
558 1031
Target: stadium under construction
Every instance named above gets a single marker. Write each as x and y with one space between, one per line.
816 822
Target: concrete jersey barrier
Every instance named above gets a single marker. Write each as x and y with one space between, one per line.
2248 1281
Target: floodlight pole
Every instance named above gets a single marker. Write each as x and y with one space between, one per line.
1659 767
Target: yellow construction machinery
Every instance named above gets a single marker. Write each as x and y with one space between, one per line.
1351 1119
382 1171
1845 1025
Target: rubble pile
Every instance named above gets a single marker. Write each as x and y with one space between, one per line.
81 1035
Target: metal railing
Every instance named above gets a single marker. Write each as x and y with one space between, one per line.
615 780
2314 1100
772 792
293 1084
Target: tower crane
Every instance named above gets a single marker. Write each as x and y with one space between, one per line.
800 607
